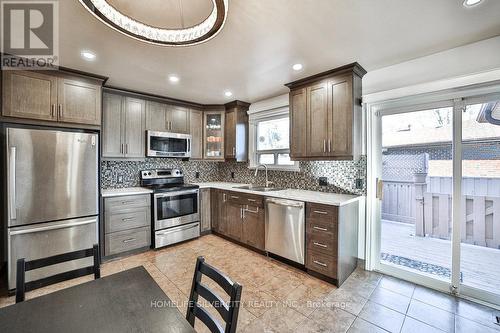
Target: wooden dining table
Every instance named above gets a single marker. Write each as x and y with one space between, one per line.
129 301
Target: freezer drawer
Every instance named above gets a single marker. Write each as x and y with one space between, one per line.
178 234
48 239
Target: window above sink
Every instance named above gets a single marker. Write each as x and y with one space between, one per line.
269 140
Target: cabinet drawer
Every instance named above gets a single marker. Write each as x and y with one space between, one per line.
322 242
127 240
322 263
118 204
323 213
127 219
320 226
245 199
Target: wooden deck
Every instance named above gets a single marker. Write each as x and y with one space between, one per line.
480 265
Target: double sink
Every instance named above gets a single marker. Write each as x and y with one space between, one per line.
259 188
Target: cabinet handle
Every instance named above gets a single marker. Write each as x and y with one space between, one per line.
127 202
329 145
324 146
234 197
53 110
252 200
59 114
321 212
234 150
241 213
128 240
320 245
224 197
320 263
126 148
252 211
128 219
319 228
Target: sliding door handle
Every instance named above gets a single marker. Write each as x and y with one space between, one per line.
324 146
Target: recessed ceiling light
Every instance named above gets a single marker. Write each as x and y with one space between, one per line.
297 67
87 55
471 3
228 94
173 78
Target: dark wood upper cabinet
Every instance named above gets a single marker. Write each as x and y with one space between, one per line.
167 118
325 115
178 119
123 134
79 102
236 131
298 123
56 97
196 125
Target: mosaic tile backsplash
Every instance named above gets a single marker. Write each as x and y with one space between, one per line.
341 175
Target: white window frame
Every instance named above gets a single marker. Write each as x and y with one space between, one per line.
254 119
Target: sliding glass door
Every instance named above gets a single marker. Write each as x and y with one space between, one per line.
480 202
436 170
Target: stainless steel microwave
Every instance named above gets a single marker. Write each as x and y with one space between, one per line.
166 144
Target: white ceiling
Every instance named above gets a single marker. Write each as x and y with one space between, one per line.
262 39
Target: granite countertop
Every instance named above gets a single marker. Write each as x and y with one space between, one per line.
117 192
333 199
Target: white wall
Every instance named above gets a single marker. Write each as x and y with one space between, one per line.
462 61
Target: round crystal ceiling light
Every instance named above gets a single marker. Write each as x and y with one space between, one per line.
196 34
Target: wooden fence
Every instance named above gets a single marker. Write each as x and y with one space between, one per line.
399 201
428 205
480 219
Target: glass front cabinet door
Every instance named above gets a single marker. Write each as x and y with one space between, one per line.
214 135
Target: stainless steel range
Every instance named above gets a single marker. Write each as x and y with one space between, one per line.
175 206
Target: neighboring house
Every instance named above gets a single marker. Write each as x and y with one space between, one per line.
480 150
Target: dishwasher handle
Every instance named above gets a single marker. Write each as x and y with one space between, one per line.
286 203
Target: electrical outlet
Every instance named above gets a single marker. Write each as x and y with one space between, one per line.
197 175
232 175
323 181
359 183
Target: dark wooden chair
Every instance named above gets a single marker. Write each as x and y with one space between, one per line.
228 311
23 266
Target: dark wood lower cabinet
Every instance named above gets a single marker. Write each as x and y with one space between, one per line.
240 217
234 223
254 226
331 241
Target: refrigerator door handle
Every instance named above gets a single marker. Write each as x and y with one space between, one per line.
12 183
52 227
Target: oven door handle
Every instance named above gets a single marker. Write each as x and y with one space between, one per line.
173 194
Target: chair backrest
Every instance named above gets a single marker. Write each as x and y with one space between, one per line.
228 311
23 266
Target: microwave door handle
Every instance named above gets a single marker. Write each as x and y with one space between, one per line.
189 145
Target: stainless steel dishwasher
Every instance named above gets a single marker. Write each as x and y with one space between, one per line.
285 229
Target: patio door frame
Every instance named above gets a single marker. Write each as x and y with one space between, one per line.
458 99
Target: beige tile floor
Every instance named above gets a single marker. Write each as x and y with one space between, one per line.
279 298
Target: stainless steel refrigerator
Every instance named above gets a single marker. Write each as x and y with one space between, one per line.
52 197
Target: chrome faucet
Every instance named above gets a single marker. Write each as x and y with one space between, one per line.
265 168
